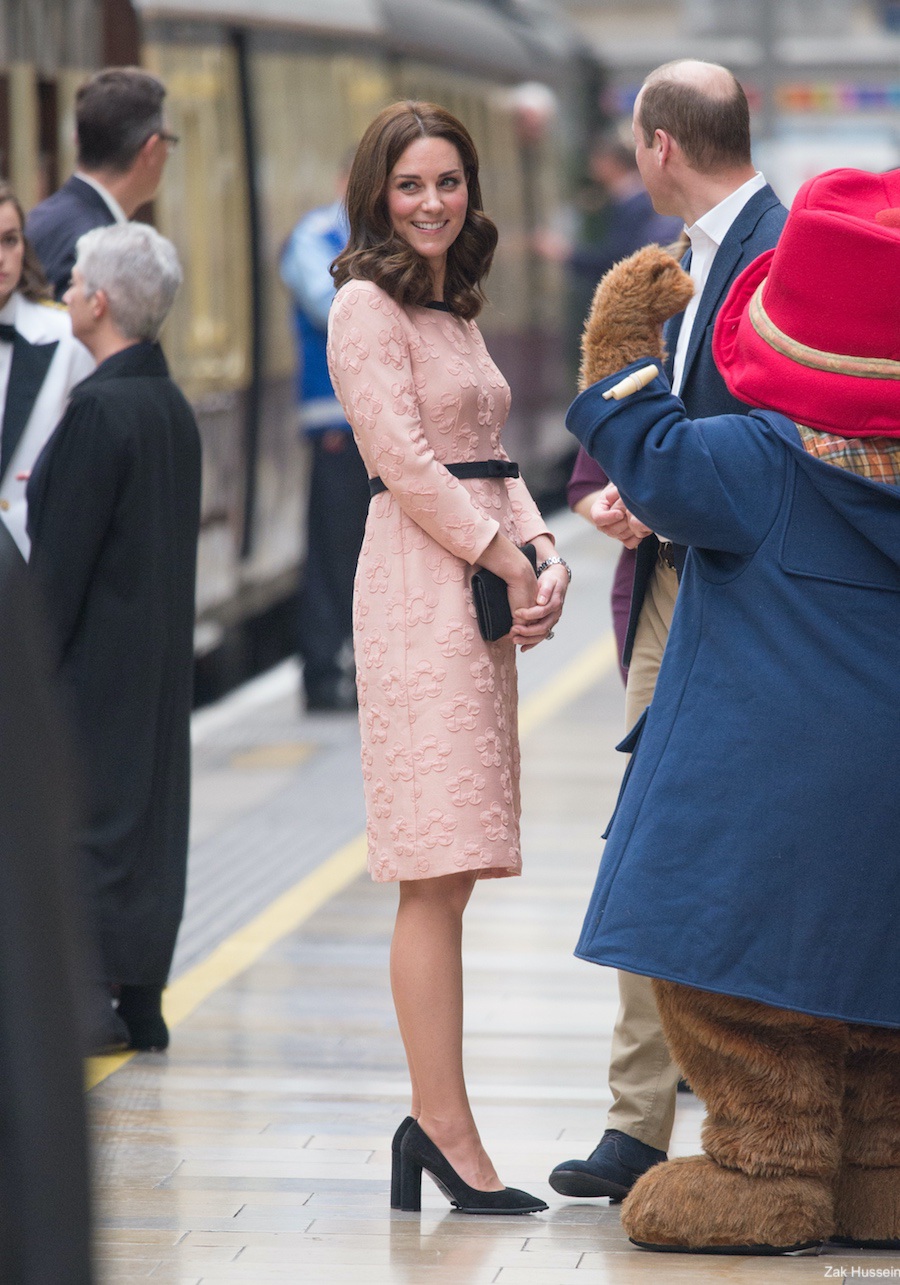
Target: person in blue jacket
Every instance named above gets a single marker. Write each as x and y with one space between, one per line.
751 864
339 489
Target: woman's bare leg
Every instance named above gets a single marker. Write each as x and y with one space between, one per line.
426 980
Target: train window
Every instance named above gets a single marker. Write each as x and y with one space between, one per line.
202 206
310 108
4 125
483 110
23 132
48 138
68 80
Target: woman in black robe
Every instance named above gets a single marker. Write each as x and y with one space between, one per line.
114 505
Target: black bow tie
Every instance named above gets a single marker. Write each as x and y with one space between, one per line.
7 332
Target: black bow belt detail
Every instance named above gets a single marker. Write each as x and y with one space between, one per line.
474 468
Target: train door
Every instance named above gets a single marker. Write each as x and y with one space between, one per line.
310 100
203 207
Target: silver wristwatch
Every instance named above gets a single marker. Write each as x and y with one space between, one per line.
555 562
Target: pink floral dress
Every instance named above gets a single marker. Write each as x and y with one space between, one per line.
437 704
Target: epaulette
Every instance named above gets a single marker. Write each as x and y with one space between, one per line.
52 303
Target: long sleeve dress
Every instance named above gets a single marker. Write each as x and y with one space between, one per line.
437 704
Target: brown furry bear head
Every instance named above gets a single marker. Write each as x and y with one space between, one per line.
631 303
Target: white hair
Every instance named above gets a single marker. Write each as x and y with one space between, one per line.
137 270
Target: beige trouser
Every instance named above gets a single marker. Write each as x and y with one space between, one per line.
643 1078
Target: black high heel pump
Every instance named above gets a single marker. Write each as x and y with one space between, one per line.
396 1142
418 1152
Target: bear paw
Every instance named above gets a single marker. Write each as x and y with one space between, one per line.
630 304
693 1205
867 1207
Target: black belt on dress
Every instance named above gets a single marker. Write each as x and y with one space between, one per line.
474 468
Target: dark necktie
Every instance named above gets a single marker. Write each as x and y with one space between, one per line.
7 332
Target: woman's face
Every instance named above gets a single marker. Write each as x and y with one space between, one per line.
12 251
427 199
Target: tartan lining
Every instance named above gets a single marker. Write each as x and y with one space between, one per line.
877 458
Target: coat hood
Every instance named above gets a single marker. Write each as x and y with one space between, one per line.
871 508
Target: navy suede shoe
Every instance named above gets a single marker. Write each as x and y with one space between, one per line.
612 1168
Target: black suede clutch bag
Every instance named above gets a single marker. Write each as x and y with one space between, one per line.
492 601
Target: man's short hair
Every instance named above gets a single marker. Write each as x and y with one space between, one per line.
137 270
712 130
116 111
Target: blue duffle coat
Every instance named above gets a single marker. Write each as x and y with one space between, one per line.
755 847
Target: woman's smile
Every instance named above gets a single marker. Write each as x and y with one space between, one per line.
428 199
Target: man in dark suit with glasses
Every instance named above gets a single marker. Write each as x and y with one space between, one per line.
123 145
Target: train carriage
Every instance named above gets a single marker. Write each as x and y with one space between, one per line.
266 102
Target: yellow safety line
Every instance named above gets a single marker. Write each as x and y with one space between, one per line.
287 912
570 683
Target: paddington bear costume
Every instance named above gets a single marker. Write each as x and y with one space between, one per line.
751 865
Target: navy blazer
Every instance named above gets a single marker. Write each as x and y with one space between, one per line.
54 226
703 391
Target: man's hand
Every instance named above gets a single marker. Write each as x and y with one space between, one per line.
609 515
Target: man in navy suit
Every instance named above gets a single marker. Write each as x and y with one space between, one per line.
692 143
122 149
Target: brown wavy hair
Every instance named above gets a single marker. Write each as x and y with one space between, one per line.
32 283
375 252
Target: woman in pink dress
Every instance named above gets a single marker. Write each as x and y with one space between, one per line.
437 704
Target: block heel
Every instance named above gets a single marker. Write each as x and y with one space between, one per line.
410 1184
395 1160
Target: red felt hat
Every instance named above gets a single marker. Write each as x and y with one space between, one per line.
812 328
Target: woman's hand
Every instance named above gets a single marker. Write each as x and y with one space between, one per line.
532 624
522 591
507 561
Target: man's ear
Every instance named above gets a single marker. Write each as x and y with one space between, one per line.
147 148
662 146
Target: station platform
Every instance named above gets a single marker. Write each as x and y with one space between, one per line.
258 1148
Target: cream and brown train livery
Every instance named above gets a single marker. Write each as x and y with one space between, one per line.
267 100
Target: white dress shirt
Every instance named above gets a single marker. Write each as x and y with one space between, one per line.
38 323
706 235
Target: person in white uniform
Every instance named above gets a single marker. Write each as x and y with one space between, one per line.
40 363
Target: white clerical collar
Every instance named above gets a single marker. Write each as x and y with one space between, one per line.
715 223
110 201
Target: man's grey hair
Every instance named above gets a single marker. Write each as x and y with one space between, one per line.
137 270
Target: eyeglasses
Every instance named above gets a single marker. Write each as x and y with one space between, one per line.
171 140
